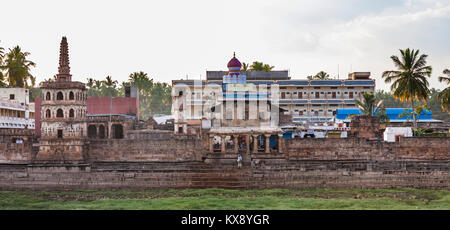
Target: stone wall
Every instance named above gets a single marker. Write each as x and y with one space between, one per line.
418 148
264 173
159 159
12 152
146 146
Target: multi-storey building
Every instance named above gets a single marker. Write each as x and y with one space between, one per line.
304 100
16 112
63 114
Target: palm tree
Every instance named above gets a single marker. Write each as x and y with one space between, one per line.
409 81
109 82
98 84
444 96
245 66
310 77
109 87
322 76
2 84
90 82
372 106
369 105
259 66
17 68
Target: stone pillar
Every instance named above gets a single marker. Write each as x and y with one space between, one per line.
247 143
97 136
267 143
280 143
236 144
255 143
211 146
223 145
109 130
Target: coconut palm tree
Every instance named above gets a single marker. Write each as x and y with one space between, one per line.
17 68
444 96
90 82
322 76
2 84
372 106
245 66
109 82
109 87
409 81
259 66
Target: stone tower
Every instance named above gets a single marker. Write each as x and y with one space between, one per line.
63 110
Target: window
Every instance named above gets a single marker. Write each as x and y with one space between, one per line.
71 96
47 96
59 113
48 113
60 134
71 113
11 97
59 96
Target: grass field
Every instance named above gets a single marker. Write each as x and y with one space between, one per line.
228 199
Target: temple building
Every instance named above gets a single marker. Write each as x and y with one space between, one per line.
236 115
63 114
68 121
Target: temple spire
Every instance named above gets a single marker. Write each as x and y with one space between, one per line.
64 68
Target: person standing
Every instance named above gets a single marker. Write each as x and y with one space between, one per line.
239 161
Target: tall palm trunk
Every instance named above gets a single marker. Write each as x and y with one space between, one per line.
414 114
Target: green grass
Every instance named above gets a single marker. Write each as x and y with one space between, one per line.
228 199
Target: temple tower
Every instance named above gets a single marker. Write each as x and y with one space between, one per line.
63 110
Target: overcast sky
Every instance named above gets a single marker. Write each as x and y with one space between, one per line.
172 39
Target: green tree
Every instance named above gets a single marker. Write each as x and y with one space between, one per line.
17 67
322 76
417 110
444 96
245 66
259 66
145 85
372 106
2 78
108 87
410 79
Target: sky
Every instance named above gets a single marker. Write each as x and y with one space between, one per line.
172 40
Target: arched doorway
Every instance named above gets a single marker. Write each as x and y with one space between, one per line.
71 113
101 132
92 131
117 130
71 96
47 96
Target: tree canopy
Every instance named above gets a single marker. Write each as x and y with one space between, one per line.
15 68
409 81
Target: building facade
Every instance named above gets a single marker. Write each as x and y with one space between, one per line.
307 101
63 114
16 112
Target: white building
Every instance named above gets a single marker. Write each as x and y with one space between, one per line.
16 111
